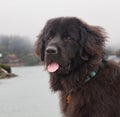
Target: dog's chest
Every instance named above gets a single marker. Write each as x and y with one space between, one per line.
71 104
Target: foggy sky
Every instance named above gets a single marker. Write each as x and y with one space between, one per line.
27 17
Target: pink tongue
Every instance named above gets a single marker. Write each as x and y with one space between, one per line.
52 67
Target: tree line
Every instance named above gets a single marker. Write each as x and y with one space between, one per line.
19 48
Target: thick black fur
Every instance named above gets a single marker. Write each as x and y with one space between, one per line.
78 48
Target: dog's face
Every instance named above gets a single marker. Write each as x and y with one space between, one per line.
61 45
65 44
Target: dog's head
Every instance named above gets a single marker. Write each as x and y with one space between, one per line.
67 43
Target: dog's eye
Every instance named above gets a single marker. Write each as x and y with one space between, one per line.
50 37
68 38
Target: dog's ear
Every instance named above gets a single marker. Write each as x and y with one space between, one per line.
40 46
92 40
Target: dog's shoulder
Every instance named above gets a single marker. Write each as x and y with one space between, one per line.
113 65
113 68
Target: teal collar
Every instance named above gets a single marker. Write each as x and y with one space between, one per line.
90 76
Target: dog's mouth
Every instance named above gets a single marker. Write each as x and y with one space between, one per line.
52 67
55 67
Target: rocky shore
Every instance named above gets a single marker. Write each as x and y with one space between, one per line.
6 72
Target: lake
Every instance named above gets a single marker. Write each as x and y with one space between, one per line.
28 95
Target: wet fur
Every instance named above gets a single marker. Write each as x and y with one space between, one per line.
78 56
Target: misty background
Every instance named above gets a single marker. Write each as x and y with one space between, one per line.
27 17
22 20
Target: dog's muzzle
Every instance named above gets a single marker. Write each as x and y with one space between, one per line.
51 50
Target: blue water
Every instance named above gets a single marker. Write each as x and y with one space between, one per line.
28 95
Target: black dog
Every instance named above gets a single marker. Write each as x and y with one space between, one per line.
73 54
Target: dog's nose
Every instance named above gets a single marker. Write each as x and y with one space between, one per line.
51 50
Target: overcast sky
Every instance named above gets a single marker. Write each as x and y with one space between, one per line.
27 17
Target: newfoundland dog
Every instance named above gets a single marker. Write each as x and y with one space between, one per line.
73 54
